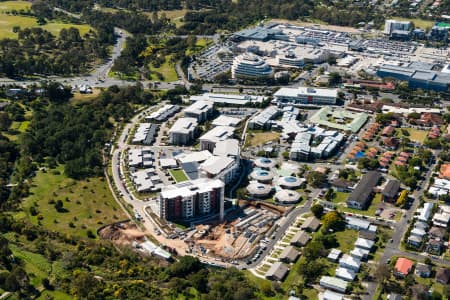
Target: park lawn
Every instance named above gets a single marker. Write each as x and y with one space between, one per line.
89 203
346 239
14 5
179 175
166 70
260 138
370 211
415 135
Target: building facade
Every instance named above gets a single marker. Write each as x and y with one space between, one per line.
306 95
249 65
192 199
183 131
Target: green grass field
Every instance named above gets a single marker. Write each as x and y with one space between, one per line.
14 5
89 203
7 22
200 44
179 175
415 135
167 70
346 239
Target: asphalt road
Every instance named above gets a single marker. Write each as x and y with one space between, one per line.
400 228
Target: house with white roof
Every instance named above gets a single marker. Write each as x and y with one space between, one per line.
425 212
334 283
350 263
364 244
345 274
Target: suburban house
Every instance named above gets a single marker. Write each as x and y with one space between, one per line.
300 238
334 283
403 267
443 275
277 271
423 270
311 224
289 254
334 255
350 262
361 196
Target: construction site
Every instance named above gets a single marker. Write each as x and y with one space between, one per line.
237 238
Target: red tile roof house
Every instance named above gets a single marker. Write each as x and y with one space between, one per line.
388 131
403 267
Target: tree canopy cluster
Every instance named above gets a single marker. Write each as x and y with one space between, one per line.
37 51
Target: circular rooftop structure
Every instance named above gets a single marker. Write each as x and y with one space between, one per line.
287 196
264 176
259 190
290 182
265 163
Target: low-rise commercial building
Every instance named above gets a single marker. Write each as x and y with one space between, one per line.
200 110
233 99
163 113
221 167
306 95
209 140
262 120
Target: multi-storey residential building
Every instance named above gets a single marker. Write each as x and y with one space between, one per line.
183 131
192 199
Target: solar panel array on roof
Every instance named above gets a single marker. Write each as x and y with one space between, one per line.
191 169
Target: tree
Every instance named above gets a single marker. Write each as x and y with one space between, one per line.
5 121
332 220
317 210
329 195
382 274
59 206
334 79
316 179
